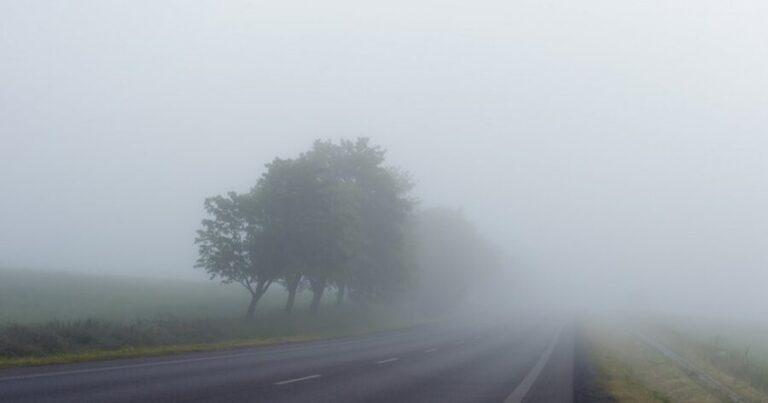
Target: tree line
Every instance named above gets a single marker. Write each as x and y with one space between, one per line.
336 217
333 217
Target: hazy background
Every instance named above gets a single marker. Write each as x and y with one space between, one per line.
616 149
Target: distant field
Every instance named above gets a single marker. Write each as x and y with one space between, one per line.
28 296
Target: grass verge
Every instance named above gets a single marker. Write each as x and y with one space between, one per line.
631 371
719 357
91 340
135 352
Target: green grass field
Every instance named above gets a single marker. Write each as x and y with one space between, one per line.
53 317
28 296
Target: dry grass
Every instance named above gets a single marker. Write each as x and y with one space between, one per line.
631 371
732 369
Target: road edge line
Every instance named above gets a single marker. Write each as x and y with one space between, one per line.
522 389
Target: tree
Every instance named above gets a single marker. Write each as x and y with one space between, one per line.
334 223
233 246
280 205
305 216
378 264
333 217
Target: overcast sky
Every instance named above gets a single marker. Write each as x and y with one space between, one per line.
617 146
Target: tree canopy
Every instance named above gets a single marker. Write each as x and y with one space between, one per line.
336 217
333 217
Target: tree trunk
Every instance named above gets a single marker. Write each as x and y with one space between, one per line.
293 286
261 289
340 294
252 306
317 294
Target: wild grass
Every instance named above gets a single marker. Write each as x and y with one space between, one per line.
631 371
66 342
50 318
739 350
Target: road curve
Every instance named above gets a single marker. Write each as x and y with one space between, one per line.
528 361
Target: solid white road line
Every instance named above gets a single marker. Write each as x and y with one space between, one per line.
305 378
431 350
522 389
388 360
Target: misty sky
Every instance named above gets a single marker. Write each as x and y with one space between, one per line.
617 146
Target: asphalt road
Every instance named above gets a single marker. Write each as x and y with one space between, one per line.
530 361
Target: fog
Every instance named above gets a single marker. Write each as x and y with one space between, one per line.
616 150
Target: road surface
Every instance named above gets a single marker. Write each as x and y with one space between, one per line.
529 361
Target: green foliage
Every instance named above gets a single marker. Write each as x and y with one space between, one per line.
372 260
334 216
233 246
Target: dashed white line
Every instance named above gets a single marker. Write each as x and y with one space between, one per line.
305 378
431 350
388 360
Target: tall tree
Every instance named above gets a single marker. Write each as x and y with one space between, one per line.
232 246
306 216
282 202
372 259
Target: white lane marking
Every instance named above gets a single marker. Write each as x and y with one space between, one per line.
431 350
522 389
304 378
388 360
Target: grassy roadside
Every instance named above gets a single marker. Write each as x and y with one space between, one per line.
719 358
630 371
134 352
335 329
57 318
